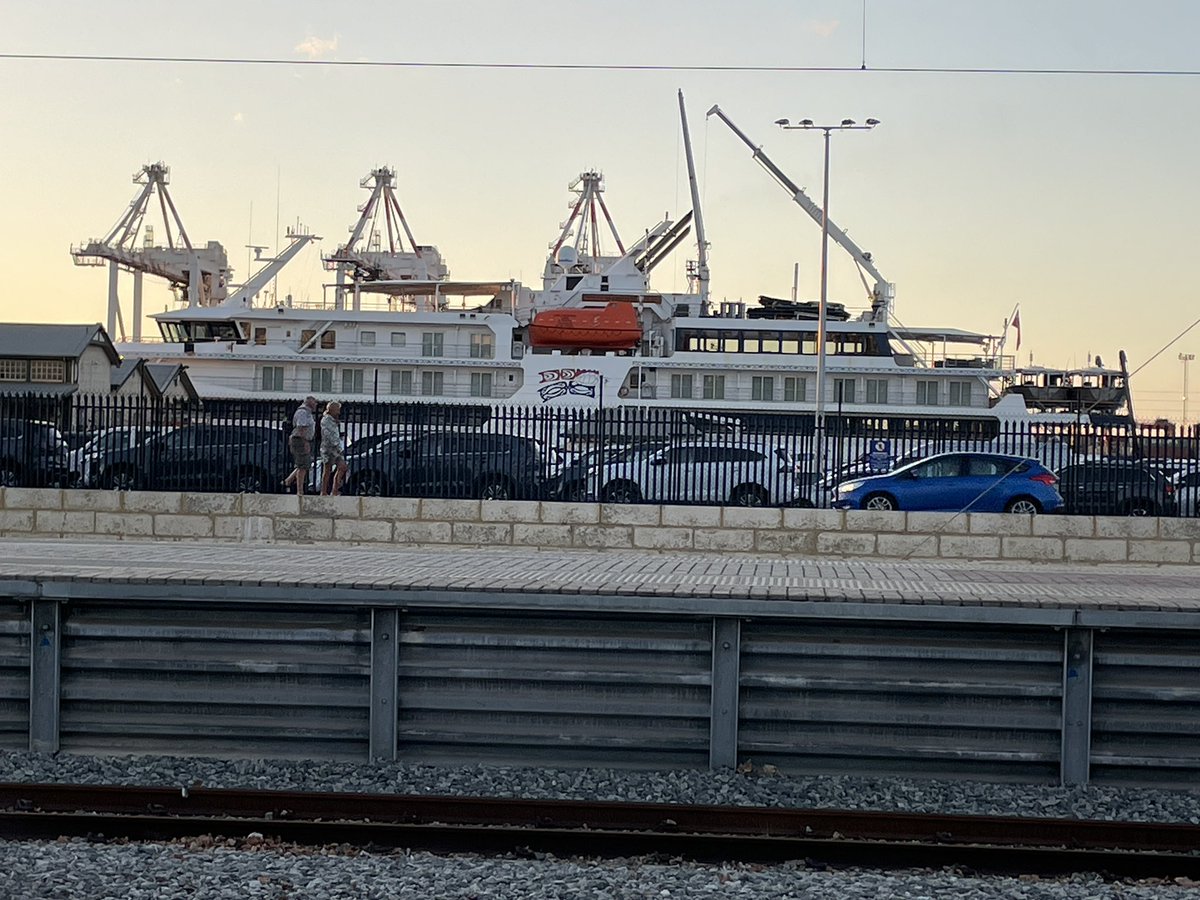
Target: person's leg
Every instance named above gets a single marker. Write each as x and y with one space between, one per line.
339 477
301 478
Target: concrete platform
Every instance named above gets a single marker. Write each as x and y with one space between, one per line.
610 573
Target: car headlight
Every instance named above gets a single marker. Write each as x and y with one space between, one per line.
847 486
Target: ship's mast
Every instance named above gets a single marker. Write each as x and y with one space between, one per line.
701 271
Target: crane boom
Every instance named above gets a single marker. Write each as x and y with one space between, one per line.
883 291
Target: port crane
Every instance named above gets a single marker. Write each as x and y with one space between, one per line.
202 273
365 258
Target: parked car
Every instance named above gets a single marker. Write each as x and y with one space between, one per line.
487 465
571 482
1187 493
742 473
32 454
212 457
1117 488
956 482
106 439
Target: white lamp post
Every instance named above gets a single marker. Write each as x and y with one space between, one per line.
807 125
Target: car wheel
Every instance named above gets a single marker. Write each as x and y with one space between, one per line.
749 495
495 489
621 492
368 485
1141 508
249 482
1023 506
879 501
575 492
119 480
10 475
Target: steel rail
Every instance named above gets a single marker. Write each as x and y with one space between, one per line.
575 827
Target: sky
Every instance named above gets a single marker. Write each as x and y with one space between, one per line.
1074 195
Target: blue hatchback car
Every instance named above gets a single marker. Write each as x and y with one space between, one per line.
957 482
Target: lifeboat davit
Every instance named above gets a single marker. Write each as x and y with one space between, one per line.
614 326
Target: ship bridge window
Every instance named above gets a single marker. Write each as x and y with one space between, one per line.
178 332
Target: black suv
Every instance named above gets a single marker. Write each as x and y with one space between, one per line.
450 464
32 454
1116 488
241 458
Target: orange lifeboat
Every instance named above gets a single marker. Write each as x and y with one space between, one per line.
614 326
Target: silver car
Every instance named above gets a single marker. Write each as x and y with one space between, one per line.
730 473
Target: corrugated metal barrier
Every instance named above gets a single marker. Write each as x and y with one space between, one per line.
1028 694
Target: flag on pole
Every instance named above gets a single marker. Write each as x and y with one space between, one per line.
1016 323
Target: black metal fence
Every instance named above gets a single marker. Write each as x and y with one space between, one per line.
675 455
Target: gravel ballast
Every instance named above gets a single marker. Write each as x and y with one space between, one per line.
256 868
77 869
758 787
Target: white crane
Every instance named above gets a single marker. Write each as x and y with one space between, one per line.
883 292
202 272
355 262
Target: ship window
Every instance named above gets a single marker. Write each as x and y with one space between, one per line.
731 342
432 343
795 390
960 393
47 371
843 390
714 387
481 384
770 342
306 336
808 343
322 380
877 390
762 387
328 340
750 344
397 338
14 369
352 381
927 393
432 383
402 382
791 344
681 387
260 336
482 347
366 338
272 378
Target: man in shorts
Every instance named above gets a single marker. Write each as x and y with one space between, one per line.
300 442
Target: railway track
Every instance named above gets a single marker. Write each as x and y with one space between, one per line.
581 828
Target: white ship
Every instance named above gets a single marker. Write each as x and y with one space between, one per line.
394 327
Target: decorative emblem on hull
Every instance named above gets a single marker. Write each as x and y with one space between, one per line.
557 383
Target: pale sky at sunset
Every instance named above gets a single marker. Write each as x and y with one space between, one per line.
1075 195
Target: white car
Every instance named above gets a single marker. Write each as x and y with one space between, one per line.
1187 493
737 473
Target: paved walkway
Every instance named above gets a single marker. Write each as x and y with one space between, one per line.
610 572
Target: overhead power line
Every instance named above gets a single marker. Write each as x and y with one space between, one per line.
587 67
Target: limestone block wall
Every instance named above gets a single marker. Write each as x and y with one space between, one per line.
146 515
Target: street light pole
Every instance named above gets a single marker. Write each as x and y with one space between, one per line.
807 125
1185 358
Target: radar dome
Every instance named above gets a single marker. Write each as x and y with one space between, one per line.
567 256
